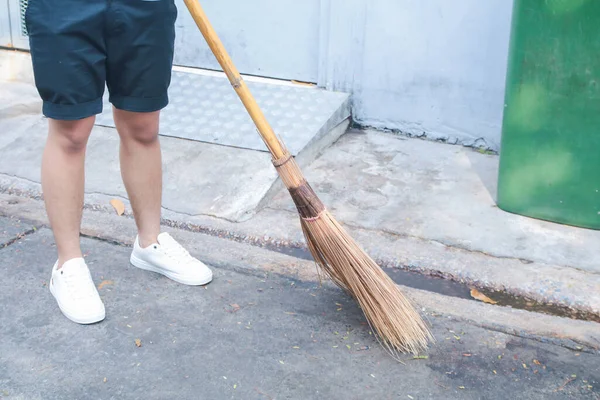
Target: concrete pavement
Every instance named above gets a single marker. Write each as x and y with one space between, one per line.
251 334
420 208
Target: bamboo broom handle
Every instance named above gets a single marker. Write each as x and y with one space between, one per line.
264 128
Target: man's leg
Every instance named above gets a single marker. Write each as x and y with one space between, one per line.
63 182
69 63
141 169
139 66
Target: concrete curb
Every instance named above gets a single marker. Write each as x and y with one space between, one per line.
574 334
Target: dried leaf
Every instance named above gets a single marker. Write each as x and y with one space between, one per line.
302 83
104 283
467 354
104 380
281 362
409 396
494 371
420 357
295 347
234 308
138 342
461 387
118 206
536 362
476 294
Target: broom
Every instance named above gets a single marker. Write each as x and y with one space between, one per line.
396 323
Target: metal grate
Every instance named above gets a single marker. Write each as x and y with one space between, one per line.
23 8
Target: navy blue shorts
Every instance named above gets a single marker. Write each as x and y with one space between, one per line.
80 46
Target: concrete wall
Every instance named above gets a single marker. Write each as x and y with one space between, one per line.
431 67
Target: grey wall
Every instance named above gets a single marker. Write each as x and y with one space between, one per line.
432 67
275 38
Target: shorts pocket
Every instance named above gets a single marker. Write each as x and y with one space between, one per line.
27 15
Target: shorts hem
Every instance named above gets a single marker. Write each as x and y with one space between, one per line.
140 104
71 112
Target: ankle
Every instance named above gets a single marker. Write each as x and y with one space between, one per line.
147 240
63 259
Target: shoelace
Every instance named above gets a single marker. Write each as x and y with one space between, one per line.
176 251
78 284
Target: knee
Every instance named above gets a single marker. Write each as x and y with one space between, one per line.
71 136
139 128
141 133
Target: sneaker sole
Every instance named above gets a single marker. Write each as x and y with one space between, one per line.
141 264
83 321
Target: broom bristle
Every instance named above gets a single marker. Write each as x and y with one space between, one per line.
394 319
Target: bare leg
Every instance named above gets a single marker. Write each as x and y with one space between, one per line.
63 177
141 169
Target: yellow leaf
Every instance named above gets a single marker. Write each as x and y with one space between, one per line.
476 294
138 342
118 206
104 283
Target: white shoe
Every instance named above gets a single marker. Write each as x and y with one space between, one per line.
74 290
169 258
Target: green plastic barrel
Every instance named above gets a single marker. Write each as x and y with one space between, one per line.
550 147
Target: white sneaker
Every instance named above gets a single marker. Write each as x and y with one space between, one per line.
169 258
74 290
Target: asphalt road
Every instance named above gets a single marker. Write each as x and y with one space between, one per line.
247 335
